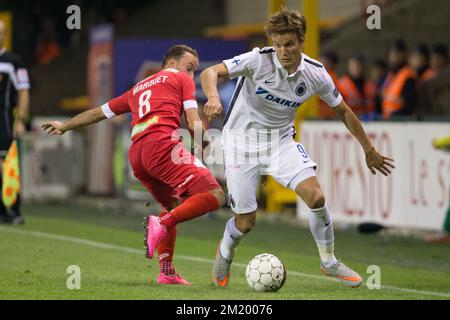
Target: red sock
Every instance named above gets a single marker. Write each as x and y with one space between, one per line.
166 267
167 246
193 207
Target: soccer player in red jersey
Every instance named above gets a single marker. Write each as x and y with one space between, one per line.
157 156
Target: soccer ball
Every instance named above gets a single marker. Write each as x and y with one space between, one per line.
265 272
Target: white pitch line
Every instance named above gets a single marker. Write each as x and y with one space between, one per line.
102 245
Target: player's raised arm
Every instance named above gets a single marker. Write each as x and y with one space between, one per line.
209 77
57 128
374 160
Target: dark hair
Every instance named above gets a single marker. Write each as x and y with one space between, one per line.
440 49
398 45
177 51
422 49
287 21
380 63
330 55
358 56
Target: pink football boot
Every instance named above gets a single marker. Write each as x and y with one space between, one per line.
175 279
154 233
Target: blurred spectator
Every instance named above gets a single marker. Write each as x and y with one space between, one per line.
434 94
439 58
419 61
378 74
399 90
444 236
329 59
358 92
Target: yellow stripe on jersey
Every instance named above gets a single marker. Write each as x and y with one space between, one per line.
140 127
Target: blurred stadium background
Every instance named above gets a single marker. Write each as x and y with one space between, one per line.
120 42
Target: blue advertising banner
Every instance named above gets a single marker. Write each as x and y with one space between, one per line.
136 58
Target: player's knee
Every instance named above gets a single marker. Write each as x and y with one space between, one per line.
246 227
220 196
245 223
317 199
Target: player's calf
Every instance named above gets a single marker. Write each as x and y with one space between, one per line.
245 222
220 196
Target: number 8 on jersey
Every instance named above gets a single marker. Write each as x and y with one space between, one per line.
144 103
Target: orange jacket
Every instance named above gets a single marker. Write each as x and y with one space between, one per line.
361 103
426 75
392 91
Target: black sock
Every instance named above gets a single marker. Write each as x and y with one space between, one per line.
3 211
16 207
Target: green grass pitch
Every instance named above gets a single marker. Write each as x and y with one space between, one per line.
108 248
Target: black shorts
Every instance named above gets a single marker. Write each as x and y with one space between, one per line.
6 134
4 146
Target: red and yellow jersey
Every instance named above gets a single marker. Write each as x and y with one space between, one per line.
156 103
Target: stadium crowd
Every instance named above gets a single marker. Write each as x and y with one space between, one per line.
405 84
39 28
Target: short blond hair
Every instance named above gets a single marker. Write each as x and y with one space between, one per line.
287 21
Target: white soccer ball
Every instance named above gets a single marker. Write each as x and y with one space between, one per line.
265 272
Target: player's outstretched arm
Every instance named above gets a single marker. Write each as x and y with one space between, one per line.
208 78
374 160
57 128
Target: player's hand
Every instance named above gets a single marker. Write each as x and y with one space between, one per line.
379 162
19 129
212 108
54 128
